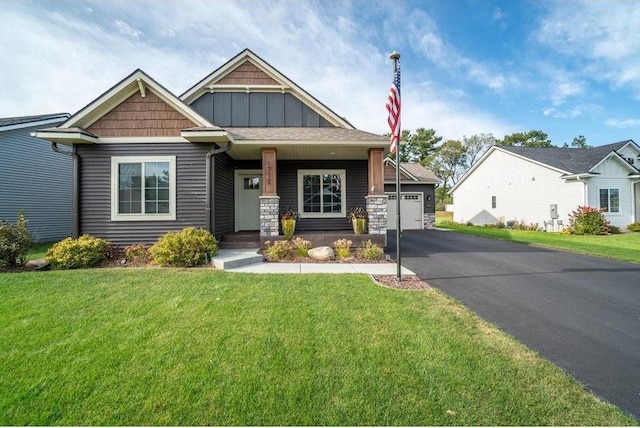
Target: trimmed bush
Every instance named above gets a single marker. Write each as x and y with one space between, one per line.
189 247
343 248
634 227
85 252
370 250
15 241
588 221
301 247
279 249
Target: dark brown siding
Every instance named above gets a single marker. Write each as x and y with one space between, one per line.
356 190
95 191
428 191
141 117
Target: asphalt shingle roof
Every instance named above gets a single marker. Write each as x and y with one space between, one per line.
303 134
571 160
10 121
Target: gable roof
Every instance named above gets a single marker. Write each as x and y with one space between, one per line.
8 123
270 80
410 172
570 160
138 81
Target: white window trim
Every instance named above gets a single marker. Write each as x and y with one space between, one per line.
609 189
343 192
117 160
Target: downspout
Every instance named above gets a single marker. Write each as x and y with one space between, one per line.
75 224
210 190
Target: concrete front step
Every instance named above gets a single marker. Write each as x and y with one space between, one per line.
241 237
231 259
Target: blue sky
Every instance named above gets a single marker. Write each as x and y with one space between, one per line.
567 68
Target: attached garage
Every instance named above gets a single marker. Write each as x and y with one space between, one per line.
417 206
411 209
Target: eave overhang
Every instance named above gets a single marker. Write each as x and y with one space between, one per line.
68 137
206 135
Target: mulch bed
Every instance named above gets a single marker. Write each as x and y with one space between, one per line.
408 282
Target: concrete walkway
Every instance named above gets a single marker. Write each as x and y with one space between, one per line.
245 261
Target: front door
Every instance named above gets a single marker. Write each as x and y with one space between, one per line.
248 192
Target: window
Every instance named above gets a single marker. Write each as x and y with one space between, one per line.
322 193
143 188
493 202
610 200
252 183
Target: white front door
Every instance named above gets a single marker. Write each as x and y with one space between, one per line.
248 192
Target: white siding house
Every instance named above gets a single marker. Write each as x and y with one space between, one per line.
544 185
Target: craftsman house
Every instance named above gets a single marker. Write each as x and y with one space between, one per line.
228 155
544 185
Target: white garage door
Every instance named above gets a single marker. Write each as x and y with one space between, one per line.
410 211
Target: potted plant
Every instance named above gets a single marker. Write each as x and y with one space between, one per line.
358 218
288 219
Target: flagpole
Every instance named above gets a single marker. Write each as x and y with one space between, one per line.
395 56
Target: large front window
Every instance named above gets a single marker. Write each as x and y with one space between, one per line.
610 200
322 193
143 188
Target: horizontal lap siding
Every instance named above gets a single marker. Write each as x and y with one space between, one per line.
426 190
95 191
37 180
223 195
357 183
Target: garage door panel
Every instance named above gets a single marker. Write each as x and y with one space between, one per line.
411 208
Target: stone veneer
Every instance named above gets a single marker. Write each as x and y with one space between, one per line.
269 215
429 221
377 212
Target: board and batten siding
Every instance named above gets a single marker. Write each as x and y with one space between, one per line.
95 191
613 176
37 180
356 181
524 191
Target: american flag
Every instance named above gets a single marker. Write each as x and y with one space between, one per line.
393 107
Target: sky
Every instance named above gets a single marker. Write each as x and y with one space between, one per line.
564 67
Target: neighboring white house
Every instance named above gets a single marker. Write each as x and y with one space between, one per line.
544 185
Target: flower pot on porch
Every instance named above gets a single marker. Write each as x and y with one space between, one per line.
288 228
359 225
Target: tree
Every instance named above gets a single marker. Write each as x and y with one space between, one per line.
421 144
475 146
580 142
532 138
448 162
404 137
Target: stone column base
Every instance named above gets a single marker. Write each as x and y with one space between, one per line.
269 215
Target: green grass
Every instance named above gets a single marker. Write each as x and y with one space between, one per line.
624 247
201 347
39 250
444 217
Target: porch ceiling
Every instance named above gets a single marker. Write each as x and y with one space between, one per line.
295 150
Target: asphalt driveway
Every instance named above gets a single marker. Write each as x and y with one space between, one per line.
581 312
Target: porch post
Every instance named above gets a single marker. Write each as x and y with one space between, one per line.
376 200
376 171
269 201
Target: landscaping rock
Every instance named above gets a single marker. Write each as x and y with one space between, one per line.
321 253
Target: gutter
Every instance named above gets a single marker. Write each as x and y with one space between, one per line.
75 195
210 190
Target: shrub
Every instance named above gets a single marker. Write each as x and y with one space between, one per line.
634 227
15 241
301 247
370 251
279 249
136 253
614 230
588 221
84 252
189 247
343 248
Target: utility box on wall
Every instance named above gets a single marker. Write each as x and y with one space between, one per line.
554 211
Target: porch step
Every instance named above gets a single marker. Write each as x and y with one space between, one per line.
234 258
238 240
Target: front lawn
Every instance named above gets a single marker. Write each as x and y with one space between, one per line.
203 347
624 247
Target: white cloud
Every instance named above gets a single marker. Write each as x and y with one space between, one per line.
563 114
622 123
127 30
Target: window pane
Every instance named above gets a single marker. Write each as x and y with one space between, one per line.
614 200
163 207
150 195
604 199
332 198
150 207
163 195
156 187
129 188
252 183
311 193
